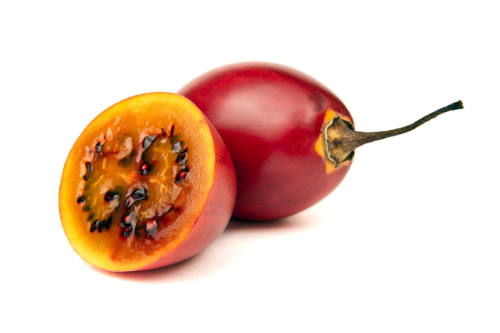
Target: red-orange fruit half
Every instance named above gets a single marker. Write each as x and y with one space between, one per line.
147 184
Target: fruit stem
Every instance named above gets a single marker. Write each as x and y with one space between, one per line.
341 140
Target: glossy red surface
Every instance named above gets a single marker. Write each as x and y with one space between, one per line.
270 117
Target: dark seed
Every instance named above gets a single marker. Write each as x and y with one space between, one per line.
163 132
98 147
91 216
111 195
126 232
86 208
182 156
139 194
93 226
81 199
108 223
129 202
145 168
172 131
181 175
151 227
127 219
147 141
177 147
89 167
101 226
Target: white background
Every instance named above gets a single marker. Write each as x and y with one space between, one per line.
409 242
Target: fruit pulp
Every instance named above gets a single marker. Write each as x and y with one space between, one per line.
136 181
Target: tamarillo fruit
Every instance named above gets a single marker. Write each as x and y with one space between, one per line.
148 183
292 140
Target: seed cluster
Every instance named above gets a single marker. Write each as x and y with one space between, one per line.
116 197
130 220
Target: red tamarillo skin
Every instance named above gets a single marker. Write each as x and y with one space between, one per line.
271 118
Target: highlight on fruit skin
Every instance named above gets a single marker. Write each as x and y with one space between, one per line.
148 183
291 139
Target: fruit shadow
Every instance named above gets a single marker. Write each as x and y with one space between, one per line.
288 223
217 256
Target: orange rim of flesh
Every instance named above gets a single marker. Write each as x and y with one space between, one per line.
175 199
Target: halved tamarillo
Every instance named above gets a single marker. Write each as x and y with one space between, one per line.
291 139
148 183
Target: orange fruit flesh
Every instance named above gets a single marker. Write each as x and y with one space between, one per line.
136 180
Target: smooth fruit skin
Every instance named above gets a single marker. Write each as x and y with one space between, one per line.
270 117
